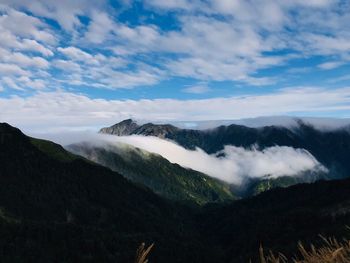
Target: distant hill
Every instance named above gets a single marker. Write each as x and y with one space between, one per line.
164 178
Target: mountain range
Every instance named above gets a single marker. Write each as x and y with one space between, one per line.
60 207
330 147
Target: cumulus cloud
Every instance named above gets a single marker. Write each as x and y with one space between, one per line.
25 26
99 27
11 69
220 40
234 166
77 54
65 12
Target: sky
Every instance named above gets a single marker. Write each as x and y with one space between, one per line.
84 64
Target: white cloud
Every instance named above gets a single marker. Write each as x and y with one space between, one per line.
208 49
198 89
11 69
25 26
67 65
10 83
62 110
102 71
23 83
99 28
236 165
219 40
233 48
10 41
173 4
330 65
37 84
23 60
32 45
65 12
77 54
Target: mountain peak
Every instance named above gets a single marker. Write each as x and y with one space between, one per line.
6 128
123 128
10 134
130 127
127 121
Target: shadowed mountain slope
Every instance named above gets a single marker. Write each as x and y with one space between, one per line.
164 178
56 206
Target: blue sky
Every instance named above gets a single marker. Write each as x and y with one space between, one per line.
80 64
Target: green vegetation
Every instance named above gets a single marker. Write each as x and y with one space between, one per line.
53 150
155 172
258 186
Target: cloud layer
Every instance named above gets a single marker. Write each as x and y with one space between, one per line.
237 163
234 166
62 110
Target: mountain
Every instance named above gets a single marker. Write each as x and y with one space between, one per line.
277 219
329 147
125 127
258 185
155 172
130 127
59 207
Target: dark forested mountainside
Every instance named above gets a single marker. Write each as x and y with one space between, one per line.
57 207
278 219
157 173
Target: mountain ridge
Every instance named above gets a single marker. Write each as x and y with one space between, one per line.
54 209
328 147
152 170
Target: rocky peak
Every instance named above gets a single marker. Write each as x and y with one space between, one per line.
123 128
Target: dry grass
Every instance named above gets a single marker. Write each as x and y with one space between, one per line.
332 251
142 253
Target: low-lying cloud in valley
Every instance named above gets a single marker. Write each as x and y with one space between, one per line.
233 164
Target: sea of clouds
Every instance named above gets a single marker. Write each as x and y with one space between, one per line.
232 164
